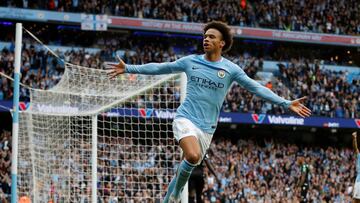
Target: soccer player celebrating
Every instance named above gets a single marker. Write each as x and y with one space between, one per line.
209 76
356 194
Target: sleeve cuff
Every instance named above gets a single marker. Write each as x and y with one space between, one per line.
126 68
287 104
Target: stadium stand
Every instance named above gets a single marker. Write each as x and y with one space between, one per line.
334 16
325 88
250 171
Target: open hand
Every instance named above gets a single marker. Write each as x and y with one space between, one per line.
297 107
116 69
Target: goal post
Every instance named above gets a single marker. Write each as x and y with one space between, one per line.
91 138
15 113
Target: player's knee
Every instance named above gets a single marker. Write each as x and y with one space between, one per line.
193 158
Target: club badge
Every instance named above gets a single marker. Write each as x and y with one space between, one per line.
221 74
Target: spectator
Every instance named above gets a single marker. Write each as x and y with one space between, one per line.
5 164
330 94
260 173
333 16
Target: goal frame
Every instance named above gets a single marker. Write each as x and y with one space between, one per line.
94 123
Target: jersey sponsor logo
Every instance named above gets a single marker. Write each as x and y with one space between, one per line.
258 118
357 121
221 74
207 83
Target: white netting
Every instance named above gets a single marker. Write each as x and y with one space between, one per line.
136 152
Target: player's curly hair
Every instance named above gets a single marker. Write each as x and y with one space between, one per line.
225 31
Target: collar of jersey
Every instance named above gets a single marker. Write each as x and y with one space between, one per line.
212 62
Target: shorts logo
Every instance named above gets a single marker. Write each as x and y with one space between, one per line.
221 74
185 130
258 118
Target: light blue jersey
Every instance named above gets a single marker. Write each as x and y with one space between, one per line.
207 85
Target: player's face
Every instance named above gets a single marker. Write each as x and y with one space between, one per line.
212 41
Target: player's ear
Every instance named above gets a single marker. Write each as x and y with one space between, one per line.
222 43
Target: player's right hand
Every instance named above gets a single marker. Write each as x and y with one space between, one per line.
115 69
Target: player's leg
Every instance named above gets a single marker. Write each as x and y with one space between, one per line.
192 157
204 141
170 188
185 132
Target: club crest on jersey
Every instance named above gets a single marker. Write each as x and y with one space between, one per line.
221 74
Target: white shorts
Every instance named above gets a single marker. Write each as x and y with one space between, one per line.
183 127
356 191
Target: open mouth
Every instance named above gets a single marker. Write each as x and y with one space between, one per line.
206 45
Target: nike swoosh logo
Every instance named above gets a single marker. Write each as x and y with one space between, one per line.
195 68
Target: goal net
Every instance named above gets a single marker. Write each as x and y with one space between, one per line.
93 139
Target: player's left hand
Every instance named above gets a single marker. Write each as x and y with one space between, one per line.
297 107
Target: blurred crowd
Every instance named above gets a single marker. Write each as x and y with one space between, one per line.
324 16
142 171
130 169
39 69
267 170
248 170
5 165
329 93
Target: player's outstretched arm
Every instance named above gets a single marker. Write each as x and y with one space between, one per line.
354 141
251 85
146 69
298 107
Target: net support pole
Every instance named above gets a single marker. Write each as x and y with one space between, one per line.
15 125
183 80
94 140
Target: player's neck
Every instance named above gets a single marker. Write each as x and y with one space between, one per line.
213 57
